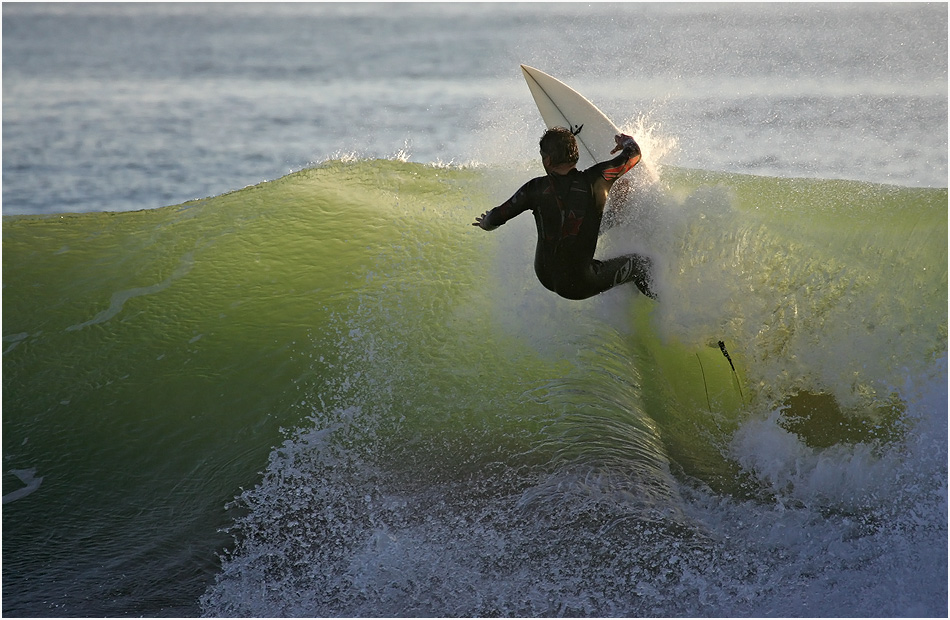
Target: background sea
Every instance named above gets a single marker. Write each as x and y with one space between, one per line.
257 362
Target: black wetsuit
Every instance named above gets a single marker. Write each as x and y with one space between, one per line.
568 210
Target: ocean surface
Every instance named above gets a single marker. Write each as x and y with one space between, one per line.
257 362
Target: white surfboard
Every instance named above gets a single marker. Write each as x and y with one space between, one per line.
562 106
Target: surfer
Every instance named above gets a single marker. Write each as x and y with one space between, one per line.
568 206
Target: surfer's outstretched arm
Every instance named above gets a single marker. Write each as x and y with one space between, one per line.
516 205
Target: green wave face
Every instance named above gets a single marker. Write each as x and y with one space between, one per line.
411 392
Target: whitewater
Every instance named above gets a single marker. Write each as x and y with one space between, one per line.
319 391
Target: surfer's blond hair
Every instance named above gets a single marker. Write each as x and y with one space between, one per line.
560 145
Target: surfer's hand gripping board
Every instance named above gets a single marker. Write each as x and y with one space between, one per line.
623 141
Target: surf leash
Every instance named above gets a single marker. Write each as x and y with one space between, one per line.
705 387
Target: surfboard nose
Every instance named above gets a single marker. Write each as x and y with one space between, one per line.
562 106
